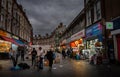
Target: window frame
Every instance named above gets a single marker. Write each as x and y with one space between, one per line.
88 17
97 11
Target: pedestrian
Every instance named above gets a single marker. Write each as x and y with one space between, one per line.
22 54
50 57
68 53
40 54
63 53
33 53
12 56
17 54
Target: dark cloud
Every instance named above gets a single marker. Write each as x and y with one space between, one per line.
45 15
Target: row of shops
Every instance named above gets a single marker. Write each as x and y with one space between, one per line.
93 40
86 41
8 41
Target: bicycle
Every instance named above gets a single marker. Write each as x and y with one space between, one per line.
38 62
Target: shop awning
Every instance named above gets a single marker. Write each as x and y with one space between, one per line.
9 40
19 42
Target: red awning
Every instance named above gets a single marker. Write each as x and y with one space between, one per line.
9 40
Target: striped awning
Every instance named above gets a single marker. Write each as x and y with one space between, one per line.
19 42
9 40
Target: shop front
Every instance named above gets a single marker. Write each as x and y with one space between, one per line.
94 39
5 44
7 41
116 37
63 44
77 42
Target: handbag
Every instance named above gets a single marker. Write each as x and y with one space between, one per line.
46 63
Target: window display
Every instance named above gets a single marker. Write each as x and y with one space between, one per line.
93 46
4 46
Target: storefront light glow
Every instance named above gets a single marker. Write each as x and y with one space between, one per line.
72 44
76 42
4 46
81 39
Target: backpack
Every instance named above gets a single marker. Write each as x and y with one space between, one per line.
54 56
24 66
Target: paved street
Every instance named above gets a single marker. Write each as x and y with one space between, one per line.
67 68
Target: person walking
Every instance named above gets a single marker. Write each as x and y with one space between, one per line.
17 54
63 53
40 54
12 56
50 57
22 54
33 53
68 53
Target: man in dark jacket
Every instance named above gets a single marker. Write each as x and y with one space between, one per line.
22 54
50 58
63 53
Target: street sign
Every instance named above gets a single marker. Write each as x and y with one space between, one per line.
109 25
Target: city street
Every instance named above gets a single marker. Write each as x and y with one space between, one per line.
66 68
81 38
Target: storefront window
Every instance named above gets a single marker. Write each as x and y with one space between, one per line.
4 46
14 47
92 45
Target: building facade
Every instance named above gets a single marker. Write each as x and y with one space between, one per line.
112 14
98 13
97 36
15 28
53 40
95 27
74 35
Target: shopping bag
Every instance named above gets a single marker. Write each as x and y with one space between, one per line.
57 60
46 63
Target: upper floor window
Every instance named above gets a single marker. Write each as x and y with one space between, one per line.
9 23
82 23
9 7
2 2
97 10
87 1
88 17
2 20
1 17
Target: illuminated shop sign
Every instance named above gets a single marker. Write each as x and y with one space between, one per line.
94 30
78 35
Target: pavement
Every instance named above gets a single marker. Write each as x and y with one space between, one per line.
66 68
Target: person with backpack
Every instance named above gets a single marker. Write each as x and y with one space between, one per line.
34 54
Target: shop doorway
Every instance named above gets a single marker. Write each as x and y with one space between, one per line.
118 47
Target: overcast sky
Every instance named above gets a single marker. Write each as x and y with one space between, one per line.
45 15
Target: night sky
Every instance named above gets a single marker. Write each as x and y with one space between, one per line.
45 15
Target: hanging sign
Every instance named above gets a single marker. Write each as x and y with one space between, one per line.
109 25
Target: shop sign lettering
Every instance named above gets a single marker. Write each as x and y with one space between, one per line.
78 35
94 30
